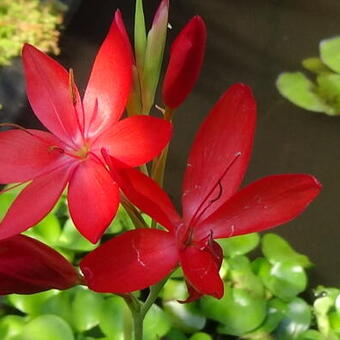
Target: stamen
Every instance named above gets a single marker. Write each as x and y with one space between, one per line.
218 184
74 98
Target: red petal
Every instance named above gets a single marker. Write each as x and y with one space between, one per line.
186 57
131 261
109 85
49 93
135 140
93 199
26 154
28 266
148 196
220 154
34 202
264 204
200 269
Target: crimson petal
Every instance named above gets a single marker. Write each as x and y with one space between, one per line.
200 268
34 202
26 154
50 95
93 199
264 204
131 261
135 140
28 266
148 196
109 85
220 154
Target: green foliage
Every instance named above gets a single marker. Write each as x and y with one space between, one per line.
322 92
28 21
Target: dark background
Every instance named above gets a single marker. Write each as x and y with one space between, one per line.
249 41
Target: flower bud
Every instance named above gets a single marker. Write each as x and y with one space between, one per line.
186 57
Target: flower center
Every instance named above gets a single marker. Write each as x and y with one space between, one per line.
82 152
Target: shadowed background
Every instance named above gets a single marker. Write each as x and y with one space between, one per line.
249 41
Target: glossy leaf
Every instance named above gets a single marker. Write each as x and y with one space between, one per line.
47 327
200 336
156 323
298 89
11 325
277 249
329 53
239 245
298 319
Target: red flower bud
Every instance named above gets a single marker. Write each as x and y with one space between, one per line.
28 266
186 57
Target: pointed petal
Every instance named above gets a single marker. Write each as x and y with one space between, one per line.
93 199
50 94
220 154
34 202
200 268
26 154
148 196
109 85
28 266
186 58
135 140
264 204
131 261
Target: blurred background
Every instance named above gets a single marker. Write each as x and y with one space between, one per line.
250 41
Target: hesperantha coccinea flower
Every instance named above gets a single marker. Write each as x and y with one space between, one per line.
70 155
213 207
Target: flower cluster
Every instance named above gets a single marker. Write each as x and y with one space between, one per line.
94 155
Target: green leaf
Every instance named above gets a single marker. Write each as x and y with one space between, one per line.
329 89
298 89
121 222
239 312
71 239
156 324
276 311
276 250
45 327
312 334
201 336
283 279
30 304
47 231
84 317
186 317
239 245
115 320
315 65
330 53
176 334
11 325
297 320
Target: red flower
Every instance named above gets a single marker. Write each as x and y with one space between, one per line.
71 153
212 208
28 266
186 58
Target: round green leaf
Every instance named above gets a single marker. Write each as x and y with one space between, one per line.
47 231
239 245
49 327
11 325
297 320
176 334
200 336
329 89
70 238
239 311
30 304
329 53
312 334
298 89
276 249
186 317
315 65
84 317
156 324
115 319
283 279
